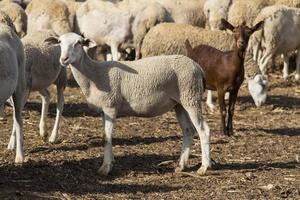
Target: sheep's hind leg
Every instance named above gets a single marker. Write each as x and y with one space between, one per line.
115 53
59 110
297 75
18 125
204 134
12 141
110 117
209 102
45 105
188 133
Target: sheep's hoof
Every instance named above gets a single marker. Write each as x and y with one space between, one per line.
178 169
19 159
202 170
105 169
52 140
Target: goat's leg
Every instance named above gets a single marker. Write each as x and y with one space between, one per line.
202 128
285 70
45 105
188 133
297 75
221 96
209 102
59 110
110 117
232 100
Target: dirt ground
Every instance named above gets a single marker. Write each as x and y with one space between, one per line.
261 160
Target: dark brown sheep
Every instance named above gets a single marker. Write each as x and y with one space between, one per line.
224 71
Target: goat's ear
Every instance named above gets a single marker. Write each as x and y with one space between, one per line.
257 26
52 40
89 43
226 24
188 44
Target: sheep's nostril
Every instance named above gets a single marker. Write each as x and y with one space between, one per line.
65 58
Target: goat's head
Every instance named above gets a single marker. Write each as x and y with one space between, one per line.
258 87
71 45
242 32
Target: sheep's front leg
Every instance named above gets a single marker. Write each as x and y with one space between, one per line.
110 117
221 96
285 69
45 105
204 134
232 100
59 110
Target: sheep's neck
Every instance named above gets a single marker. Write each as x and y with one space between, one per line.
81 74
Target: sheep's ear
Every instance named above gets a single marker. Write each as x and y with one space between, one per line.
257 26
89 43
52 40
226 24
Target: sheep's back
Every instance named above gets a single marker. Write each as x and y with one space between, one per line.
169 38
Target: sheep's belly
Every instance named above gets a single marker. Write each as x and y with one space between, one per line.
146 107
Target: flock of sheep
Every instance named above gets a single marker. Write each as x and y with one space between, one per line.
39 38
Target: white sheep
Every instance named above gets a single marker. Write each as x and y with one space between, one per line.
48 14
143 88
17 15
121 25
43 60
235 11
13 80
280 35
187 12
214 11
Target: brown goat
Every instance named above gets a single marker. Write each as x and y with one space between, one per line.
224 71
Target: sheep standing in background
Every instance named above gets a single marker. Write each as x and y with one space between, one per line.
119 26
145 88
48 14
187 12
235 11
43 60
13 80
280 35
245 11
214 11
17 15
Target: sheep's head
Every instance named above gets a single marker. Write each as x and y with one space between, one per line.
242 32
71 45
258 89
